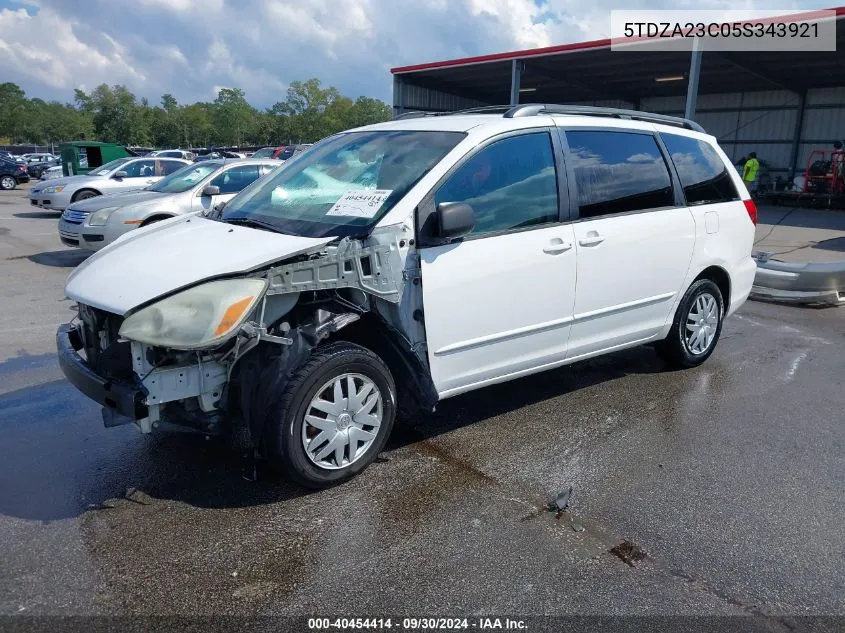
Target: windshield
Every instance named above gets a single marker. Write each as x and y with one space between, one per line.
103 170
185 178
266 152
343 185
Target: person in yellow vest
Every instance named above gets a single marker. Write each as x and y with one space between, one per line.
749 173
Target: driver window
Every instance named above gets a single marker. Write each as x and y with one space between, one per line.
510 184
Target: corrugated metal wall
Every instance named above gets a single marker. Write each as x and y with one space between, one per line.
407 96
762 122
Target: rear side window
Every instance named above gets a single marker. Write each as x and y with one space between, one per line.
167 167
237 178
617 172
510 184
703 175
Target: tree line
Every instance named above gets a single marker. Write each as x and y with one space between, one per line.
308 113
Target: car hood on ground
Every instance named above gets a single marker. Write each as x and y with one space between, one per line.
121 199
174 254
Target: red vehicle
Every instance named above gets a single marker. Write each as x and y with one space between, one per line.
269 152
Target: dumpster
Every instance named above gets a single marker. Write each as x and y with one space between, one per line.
80 157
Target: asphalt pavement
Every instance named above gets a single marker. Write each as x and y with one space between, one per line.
712 491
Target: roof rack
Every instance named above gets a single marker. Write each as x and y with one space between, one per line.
533 109
416 114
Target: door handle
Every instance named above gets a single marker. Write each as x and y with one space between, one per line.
556 246
591 239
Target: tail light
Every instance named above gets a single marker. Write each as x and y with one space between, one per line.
752 211
22 167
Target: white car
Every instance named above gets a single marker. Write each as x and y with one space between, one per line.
97 222
172 153
121 174
460 251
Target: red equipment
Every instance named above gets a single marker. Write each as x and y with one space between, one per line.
825 171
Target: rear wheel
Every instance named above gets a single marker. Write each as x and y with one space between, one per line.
7 183
696 327
333 417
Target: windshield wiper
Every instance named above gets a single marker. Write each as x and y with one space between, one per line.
253 223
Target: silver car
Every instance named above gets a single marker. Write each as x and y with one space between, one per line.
51 173
121 174
94 223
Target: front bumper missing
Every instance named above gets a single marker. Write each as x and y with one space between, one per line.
135 400
123 398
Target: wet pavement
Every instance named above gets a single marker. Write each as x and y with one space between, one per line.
719 489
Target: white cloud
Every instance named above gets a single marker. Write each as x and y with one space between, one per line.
187 47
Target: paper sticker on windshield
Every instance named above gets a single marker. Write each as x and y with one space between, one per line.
360 203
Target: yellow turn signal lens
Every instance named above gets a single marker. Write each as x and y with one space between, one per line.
232 315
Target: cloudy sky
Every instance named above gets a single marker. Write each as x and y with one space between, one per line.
191 48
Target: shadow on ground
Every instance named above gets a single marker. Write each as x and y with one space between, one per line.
39 215
60 259
57 460
833 244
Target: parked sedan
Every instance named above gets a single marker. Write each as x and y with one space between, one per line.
36 158
121 174
172 153
269 152
36 169
12 174
95 223
52 173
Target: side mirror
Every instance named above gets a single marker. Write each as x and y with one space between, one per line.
210 190
119 175
454 219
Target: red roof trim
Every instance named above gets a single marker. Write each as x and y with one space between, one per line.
529 52
551 50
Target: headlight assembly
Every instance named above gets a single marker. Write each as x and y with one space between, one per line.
53 189
99 218
199 317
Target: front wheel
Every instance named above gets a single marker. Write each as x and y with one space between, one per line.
696 327
84 195
333 417
7 183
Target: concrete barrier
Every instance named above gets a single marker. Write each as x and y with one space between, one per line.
812 283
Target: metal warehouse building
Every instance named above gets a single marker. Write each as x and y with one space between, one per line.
778 104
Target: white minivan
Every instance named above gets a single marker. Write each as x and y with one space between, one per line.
395 265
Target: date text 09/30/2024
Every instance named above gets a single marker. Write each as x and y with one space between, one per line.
416 624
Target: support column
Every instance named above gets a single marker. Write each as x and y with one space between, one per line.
516 75
694 73
398 101
796 135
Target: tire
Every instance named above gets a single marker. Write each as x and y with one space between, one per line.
7 183
287 432
84 195
680 349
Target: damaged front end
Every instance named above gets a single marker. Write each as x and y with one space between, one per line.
146 370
